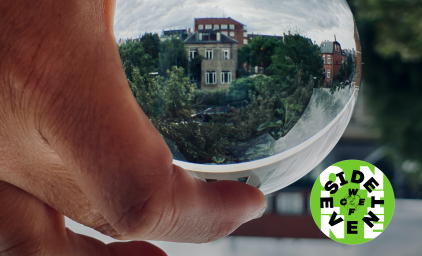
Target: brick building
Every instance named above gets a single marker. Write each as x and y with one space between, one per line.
333 58
219 66
226 26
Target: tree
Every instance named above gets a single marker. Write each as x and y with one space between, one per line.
195 66
179 90
350 65
297 54
151 44
133 56
150 93
258 52
172 53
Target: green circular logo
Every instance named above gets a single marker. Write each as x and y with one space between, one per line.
352 202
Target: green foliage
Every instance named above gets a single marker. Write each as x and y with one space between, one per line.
172 53
297 54
394 91
133 55
179 90
204 124
258 52
349 65
151 44
210 97
336 86
397 27
149 92
273 108
195 66
390 33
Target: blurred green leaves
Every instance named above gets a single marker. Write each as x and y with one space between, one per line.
391 39
398 26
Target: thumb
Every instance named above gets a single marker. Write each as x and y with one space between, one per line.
87 114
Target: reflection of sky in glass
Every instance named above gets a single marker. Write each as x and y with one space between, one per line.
317 19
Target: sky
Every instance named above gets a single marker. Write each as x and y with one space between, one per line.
316 19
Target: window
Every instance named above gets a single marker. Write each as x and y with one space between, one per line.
200 27
245 34
231 33
323 58
192 54
232 26
245 41
328 59
224 33
226 54
208 26
209 37
224 26
200 37
245 28
210 77
192 78
289 203
328 73
216 26
261 70
226 77
208 54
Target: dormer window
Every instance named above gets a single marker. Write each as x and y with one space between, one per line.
209 36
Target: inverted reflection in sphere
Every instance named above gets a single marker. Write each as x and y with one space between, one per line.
253 91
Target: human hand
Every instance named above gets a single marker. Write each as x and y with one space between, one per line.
74 142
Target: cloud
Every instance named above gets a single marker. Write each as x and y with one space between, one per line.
318 19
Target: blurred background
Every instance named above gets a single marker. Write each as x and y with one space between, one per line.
385 130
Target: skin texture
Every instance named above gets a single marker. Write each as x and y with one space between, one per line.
74 142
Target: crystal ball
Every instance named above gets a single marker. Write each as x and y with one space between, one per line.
253 91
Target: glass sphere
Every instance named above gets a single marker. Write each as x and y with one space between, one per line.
253 91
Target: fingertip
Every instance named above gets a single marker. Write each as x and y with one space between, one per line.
248 201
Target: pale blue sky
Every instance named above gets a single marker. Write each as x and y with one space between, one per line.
317 19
